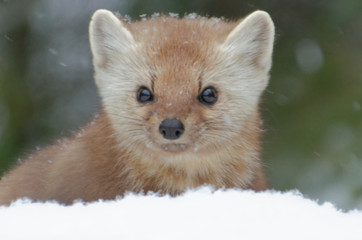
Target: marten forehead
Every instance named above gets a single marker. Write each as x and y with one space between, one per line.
177 51
177 66
177 78
165 28
177 63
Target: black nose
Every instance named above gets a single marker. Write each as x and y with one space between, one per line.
171 129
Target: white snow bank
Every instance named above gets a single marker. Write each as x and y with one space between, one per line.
199 214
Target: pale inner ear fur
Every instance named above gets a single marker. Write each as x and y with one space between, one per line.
108 38
253 39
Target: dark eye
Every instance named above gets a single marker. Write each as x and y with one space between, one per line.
144 95
208 96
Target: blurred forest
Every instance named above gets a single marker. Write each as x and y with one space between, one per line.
312 107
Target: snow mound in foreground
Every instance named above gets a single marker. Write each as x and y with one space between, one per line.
198 214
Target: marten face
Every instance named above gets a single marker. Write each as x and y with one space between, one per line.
176 108
179 85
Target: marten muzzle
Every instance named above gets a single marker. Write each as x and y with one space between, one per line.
171 129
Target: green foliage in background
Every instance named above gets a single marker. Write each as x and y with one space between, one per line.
312 108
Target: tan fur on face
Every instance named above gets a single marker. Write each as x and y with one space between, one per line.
124 151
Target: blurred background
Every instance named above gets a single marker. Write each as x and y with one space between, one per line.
312 108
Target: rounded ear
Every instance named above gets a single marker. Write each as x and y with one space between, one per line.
108 38
253 39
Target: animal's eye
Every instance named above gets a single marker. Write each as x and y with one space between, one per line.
208 96
144 95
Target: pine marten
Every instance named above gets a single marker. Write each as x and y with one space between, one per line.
179 110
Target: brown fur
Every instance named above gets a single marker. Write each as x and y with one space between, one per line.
111 156
86 168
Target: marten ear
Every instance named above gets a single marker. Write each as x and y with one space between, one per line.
252 40
109 39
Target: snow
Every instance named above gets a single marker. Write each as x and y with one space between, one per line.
198 214
192 16
227 120
174 15
155 15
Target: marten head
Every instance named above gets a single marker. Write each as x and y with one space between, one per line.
180 86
